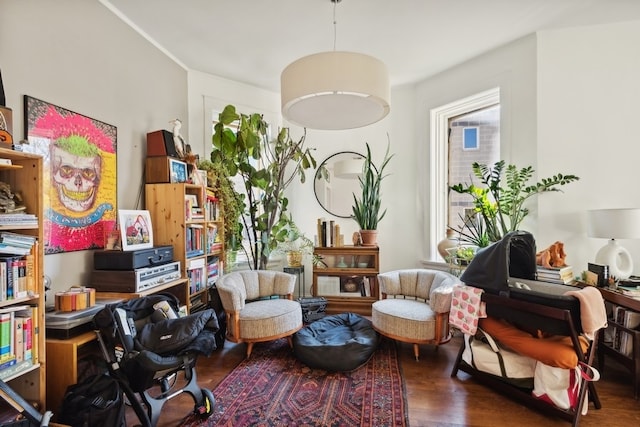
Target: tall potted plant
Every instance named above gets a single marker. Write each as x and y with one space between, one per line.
500 208
266 168
367 207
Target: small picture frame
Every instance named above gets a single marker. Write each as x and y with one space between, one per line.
136 230
177 171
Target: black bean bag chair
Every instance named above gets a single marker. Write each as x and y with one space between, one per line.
340 342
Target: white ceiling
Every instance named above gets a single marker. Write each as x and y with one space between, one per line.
251 41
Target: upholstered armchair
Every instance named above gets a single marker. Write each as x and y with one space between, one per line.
259 306
414 307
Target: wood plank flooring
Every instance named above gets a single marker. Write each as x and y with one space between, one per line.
435 399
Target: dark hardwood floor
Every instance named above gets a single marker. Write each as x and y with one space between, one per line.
436 399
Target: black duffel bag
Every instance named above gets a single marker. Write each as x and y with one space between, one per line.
96 401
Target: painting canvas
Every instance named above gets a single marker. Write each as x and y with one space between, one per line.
136 229
80 166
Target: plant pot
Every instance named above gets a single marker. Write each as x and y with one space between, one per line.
369 237
294 258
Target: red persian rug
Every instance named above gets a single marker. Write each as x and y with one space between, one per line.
273 388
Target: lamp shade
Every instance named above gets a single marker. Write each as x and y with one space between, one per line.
614 224
335 90
349 168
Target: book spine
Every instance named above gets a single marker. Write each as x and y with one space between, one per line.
18 338
5 336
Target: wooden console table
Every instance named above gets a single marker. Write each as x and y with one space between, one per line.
630 362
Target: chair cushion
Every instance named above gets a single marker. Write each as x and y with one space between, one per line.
340 342
269 318
405 318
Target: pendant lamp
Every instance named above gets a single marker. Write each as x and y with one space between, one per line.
335 90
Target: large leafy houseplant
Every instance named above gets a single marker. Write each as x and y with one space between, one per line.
367 207
231 205
499 206
266 168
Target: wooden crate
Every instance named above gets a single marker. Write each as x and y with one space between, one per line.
165 169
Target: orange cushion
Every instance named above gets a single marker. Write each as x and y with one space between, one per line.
553 351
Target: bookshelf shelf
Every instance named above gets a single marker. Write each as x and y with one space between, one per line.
347 278
27 378
182 217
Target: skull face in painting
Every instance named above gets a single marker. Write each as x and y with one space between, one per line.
75 177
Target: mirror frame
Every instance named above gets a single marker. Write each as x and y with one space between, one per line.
315 178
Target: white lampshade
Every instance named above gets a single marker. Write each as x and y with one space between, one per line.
614 224
349 168
335 90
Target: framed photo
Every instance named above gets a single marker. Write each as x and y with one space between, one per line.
135 229
351 285
177 170
79 175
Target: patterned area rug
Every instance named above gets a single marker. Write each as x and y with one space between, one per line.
272 388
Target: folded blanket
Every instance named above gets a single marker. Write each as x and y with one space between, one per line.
466 308
593 314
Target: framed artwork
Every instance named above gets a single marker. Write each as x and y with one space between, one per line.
178 171
79 182
135 229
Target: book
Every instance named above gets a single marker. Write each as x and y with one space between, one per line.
18 338
6 162
5 336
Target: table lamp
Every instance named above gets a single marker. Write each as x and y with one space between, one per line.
614 224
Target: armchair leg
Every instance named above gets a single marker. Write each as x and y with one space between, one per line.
416 351
249 349
290 340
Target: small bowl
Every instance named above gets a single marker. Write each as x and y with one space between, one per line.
363 264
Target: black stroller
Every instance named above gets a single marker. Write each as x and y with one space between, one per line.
147 346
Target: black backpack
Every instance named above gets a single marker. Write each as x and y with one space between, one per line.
96 401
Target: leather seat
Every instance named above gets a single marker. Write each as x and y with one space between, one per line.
340 342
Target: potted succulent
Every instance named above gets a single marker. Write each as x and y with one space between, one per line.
367 206
498 210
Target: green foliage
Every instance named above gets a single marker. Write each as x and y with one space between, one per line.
266 168
291 239
499 209
366 208
231 203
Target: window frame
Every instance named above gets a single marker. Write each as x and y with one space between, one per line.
439 161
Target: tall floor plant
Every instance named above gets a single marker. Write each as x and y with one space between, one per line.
266 168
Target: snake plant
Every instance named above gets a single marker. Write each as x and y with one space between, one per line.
367 208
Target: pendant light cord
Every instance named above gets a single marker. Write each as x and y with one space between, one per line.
335 24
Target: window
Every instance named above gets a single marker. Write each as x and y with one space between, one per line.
462 132
470 138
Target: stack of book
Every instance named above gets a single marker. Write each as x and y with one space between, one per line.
15 243
560 275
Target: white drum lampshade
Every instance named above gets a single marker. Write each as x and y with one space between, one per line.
614 224
335 91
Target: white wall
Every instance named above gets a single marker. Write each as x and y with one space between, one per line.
78 55
512 68
588 91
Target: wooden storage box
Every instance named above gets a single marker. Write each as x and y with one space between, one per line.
165 169
160 143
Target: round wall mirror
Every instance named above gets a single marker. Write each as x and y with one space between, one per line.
336 181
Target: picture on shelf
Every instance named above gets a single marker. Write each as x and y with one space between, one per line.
136 230
178 171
